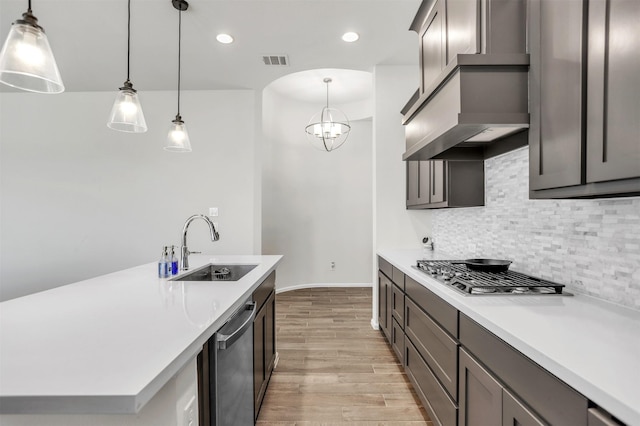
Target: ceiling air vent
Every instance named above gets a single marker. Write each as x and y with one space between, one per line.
277 60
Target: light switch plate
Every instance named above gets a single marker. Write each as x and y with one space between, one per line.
213 211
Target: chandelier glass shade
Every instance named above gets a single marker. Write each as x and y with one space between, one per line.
328 130
126 113
26 59
178 137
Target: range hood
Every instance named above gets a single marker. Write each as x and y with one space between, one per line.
476 109
473 100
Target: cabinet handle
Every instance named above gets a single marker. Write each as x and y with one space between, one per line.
433 178
407 317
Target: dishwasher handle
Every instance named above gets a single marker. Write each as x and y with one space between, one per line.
225 339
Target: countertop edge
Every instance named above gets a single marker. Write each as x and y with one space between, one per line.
624 412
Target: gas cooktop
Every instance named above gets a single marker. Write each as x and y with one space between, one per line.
468 282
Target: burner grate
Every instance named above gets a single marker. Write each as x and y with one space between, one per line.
512 282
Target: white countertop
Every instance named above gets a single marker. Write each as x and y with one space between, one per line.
592 345
108 344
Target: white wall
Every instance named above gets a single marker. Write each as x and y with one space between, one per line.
79 200
394 226
316 205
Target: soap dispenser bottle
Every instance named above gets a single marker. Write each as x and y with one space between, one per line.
163 263
174 261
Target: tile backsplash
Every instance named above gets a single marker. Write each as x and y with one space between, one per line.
592 246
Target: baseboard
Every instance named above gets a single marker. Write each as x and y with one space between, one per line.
374 324
321 285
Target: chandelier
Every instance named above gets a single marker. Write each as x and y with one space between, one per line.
328 130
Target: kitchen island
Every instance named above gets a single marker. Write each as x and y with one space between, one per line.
589 344
107 345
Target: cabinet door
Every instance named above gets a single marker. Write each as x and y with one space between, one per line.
556 78
413 178
463 27
397 340
384 304
259 328
424 182
438 182
480 398
613 90
270 335
514 412
432 45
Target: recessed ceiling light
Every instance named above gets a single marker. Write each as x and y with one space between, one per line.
350 37
224 38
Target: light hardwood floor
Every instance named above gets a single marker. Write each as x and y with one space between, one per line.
333 367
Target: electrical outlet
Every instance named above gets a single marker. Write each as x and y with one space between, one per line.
189 413
213 211
332 266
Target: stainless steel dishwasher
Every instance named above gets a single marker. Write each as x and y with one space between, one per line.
226 372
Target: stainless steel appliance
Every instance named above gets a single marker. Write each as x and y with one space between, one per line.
455 274
226 372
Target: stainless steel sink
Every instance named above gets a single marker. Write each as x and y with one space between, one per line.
215 272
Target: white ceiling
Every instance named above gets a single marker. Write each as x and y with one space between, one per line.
88 38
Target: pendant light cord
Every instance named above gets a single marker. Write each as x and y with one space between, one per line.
179 52
327 95
128 36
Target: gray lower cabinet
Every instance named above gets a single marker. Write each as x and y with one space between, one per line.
440 184
435 399
514 412
480 394
485 401
384 304
397 340
598 417
465 375
584 138
264 339
551 399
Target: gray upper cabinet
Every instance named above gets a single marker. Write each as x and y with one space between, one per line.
584 139
440 184
613 90
473 96
432 46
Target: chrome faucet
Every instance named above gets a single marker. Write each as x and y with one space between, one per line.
184 258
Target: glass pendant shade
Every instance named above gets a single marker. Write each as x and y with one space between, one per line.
126 114
178 137
26 60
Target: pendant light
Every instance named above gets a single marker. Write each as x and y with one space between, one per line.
26 60
178 138
126 113
329 129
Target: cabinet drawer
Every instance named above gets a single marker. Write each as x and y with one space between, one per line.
439 350
263 291
397 277
397 305
514 412
598 417
385 267
397 340
550 397
442 312
442 410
